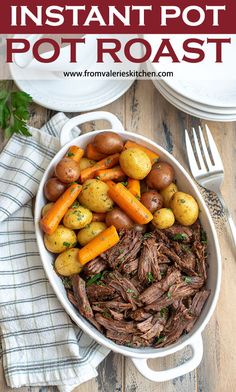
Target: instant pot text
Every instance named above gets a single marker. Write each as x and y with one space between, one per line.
83 18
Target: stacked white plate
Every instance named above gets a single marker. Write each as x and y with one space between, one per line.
207 99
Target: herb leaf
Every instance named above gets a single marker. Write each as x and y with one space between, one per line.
93 279
67 244
188 279
150 277
163 312
147 235
70 154
14 112
66 280
180 236
160 339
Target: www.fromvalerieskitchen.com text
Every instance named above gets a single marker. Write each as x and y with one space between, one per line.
142 74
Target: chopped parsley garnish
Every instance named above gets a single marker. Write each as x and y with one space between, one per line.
160 339
125 183
129 291
106 314
169 295
180 236
96 279
70 154
67 244
75 204
147 235
163 312
187 279
66 282
150 277
182 201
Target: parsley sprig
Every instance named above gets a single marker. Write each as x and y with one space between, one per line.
14 112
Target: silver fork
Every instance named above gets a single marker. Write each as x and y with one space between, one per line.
209 174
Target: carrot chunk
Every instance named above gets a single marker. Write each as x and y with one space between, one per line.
129 203
105 163
134 187
101 243
116 173
51 220
93 154
75 153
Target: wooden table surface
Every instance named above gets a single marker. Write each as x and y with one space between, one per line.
143 110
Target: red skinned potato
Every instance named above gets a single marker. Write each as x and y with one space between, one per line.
119 219
152 200
161 175
67 170
53 189
108 143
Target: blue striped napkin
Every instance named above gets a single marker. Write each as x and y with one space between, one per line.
40 345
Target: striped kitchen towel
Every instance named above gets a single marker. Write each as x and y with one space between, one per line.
40 345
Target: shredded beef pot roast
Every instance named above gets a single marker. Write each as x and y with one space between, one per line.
147 290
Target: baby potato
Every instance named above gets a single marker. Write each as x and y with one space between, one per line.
108 143
67 264
84 163
89 232
119 219
163 218
46 208
167 193
185 208
161 175
67 170
62 239
53 189
135 163
152 200
94 196
77 217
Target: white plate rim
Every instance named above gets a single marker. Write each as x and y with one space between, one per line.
191 110
117 88
74 106
195 104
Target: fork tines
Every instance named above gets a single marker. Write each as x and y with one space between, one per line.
208 159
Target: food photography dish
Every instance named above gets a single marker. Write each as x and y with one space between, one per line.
185 349
89 200
117 196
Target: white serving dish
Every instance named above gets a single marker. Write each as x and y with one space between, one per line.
141 355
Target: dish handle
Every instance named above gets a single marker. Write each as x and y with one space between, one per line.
66 133
166 375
